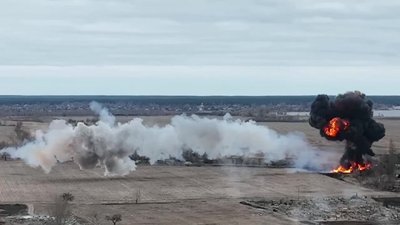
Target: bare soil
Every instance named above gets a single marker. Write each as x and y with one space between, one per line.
178 194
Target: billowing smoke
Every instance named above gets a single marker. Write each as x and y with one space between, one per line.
109 145
348 117
103 113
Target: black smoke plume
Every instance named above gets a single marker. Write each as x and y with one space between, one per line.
348 117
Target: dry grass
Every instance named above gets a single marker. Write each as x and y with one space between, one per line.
177 195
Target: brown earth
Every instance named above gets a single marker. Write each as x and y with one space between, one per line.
170 195
179 195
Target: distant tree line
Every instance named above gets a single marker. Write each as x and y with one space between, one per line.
180 100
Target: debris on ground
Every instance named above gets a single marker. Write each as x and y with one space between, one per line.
331 209
36 220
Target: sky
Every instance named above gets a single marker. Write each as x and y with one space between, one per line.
199 47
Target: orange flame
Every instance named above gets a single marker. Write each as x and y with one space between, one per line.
335 126
353 167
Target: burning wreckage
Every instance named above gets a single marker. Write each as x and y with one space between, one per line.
349 117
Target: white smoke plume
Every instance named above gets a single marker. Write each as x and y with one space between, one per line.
103 113
109 145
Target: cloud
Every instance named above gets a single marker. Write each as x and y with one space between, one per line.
236 47
204 32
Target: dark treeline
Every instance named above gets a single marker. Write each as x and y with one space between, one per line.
179 100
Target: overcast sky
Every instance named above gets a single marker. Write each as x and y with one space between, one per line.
199 47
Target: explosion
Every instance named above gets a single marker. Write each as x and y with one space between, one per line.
335 126
348 117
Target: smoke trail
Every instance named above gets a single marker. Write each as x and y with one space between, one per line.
109 145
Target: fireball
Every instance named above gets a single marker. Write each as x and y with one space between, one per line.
335 126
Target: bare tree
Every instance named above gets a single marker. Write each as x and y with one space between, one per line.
392 147
4 155
115 218
138 196
22 135
60 210
68 197
383 176
391 160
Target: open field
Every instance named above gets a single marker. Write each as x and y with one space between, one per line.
178 195
170 195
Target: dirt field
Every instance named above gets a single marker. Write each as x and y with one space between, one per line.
169 195
178 195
